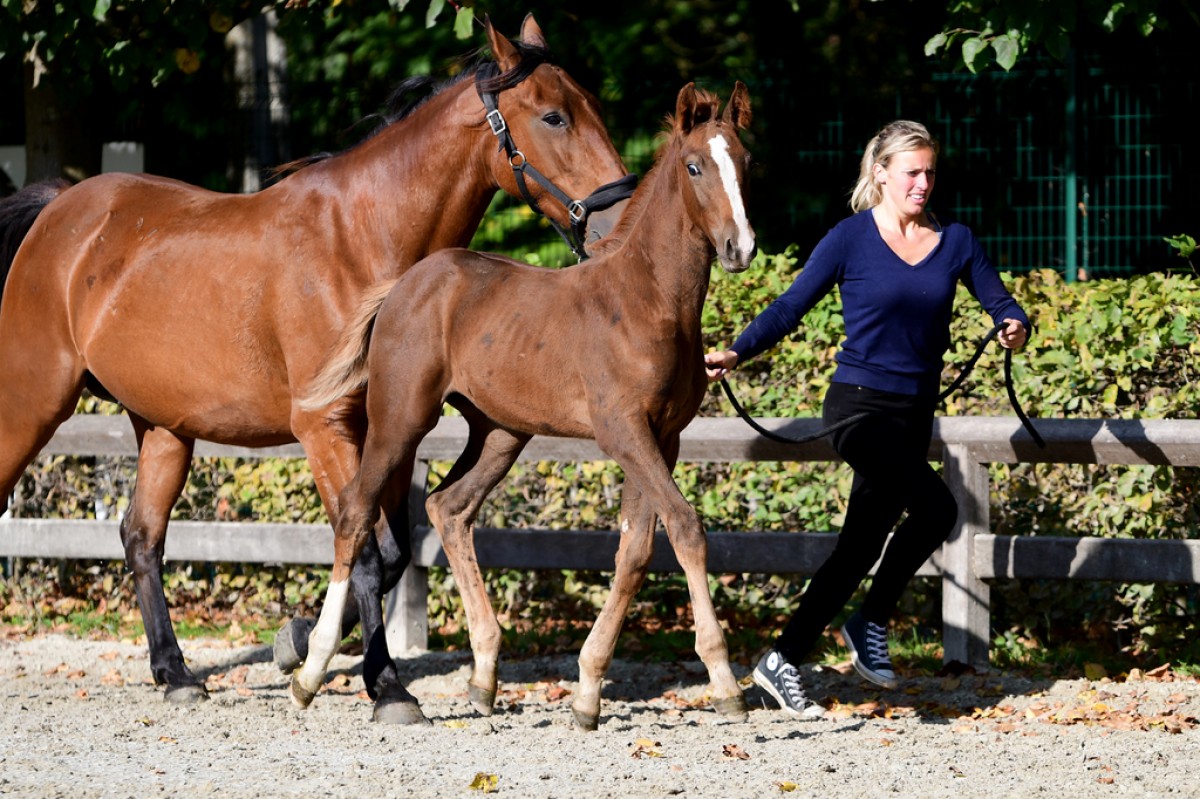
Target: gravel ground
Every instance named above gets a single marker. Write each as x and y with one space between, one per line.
82 719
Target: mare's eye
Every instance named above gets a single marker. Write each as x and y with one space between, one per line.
554 120
694 170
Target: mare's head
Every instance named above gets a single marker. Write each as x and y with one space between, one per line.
554 124
712 164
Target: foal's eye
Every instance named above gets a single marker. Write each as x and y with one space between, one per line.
694 170
554 120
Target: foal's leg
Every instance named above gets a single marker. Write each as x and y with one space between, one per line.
380 563
633 559
649 466
389 451
489 454
164 460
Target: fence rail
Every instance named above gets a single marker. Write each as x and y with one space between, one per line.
965 445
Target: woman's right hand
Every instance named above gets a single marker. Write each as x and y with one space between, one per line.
719 363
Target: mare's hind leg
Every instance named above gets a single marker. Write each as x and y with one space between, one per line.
164 460
489 454
633 559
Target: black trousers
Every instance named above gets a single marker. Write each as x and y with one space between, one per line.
888 451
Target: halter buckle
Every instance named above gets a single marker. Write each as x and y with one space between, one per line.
577 211
496 120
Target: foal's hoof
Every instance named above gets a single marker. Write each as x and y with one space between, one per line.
482 699
731 708
186 694
291 644
301 696
588 722
399 713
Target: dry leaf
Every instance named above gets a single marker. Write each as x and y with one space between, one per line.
484 782
786 787
644 747
734 751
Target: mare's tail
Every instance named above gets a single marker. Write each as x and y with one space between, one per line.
17 213
346 369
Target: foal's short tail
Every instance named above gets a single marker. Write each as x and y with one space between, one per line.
17 214
346 369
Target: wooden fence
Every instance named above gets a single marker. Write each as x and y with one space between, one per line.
965 445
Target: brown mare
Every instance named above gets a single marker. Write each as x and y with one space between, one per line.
610 350
207 315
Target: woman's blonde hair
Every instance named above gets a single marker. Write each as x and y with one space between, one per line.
901 136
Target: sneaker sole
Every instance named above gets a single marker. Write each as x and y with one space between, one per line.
863 671
811 711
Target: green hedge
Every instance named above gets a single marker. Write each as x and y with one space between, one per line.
1106 349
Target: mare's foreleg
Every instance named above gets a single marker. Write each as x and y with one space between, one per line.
164 460
632 561
489 454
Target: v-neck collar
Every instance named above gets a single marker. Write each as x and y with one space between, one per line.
937 228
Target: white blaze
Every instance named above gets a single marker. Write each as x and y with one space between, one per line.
720 153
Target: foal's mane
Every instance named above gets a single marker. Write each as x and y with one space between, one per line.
668 142
401 103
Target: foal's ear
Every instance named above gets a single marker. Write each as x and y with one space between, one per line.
503 50
531 33
685 108
737 110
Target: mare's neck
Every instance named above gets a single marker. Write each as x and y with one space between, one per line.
418 186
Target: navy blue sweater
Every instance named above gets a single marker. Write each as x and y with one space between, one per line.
897 316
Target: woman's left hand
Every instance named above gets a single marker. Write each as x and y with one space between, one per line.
1013 336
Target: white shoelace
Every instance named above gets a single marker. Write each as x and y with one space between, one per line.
877 645
791 683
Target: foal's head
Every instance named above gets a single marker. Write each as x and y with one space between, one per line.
713 164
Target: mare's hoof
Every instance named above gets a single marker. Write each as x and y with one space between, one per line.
731 708
291 644
301 696
482 699
186 694
399 713
588 722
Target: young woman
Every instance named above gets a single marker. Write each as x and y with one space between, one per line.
896 267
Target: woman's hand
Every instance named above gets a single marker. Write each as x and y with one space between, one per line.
719 363
1013 335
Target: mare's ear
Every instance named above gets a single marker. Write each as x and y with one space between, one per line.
531 33
737 110
503 50
685 108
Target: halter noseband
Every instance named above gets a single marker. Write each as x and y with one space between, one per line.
577 210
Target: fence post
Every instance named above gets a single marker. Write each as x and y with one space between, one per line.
966 612
406 612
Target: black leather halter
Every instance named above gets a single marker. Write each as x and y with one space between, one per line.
577 210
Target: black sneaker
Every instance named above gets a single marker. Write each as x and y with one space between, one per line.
780 679
868 646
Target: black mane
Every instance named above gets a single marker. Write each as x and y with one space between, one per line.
411 93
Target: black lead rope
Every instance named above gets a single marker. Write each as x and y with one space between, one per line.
858 417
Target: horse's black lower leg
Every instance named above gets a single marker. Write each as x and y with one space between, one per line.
376 573
166 659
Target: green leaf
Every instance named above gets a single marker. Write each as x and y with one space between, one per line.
1007 50
435 9
971 48
936 43
464 20
100 10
